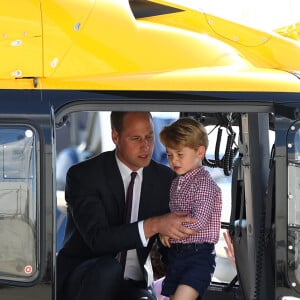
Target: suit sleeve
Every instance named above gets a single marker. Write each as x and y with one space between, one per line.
96 219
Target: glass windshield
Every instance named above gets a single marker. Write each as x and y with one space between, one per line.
260 14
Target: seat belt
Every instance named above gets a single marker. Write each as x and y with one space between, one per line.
235 187
269 197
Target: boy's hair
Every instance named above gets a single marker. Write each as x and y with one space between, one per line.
185 132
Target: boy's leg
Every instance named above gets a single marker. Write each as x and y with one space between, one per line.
185 292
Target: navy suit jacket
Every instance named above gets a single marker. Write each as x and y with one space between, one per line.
95 199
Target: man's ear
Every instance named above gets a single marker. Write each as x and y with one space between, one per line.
115 136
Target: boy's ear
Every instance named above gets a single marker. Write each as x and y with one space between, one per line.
201 151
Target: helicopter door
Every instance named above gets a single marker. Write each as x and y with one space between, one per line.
286 207
249 183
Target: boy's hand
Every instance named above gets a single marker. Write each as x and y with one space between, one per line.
165 240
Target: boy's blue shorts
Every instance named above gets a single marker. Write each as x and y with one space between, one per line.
189 264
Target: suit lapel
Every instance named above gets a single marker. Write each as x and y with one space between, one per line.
146 192
116 184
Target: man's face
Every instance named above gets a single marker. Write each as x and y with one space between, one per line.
134 144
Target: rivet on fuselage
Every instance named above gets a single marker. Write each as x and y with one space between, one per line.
77 26
16 43
16 73
54 62
264 39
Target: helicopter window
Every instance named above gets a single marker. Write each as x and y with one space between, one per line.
18 204
293 146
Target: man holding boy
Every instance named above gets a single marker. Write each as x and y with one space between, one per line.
97 234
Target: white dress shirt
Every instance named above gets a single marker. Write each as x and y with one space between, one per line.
132 267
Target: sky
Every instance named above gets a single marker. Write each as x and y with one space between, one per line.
261 14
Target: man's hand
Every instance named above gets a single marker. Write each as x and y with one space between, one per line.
170 225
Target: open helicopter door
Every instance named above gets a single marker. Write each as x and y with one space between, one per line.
265 217
249 183
287 201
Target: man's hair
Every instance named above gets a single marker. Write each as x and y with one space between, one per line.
117 117
116 120
185 132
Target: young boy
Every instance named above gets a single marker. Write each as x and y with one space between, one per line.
191 261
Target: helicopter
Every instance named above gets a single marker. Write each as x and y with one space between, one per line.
66 64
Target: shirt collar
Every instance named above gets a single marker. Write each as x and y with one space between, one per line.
125 171
192 173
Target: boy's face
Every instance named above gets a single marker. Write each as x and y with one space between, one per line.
185 159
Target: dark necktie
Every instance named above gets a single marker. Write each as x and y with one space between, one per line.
127 213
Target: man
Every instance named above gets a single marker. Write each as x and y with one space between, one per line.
96 233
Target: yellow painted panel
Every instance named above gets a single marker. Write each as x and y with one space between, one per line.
111 41
98 44
20 39
278 49
63 22
291 31
197 79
